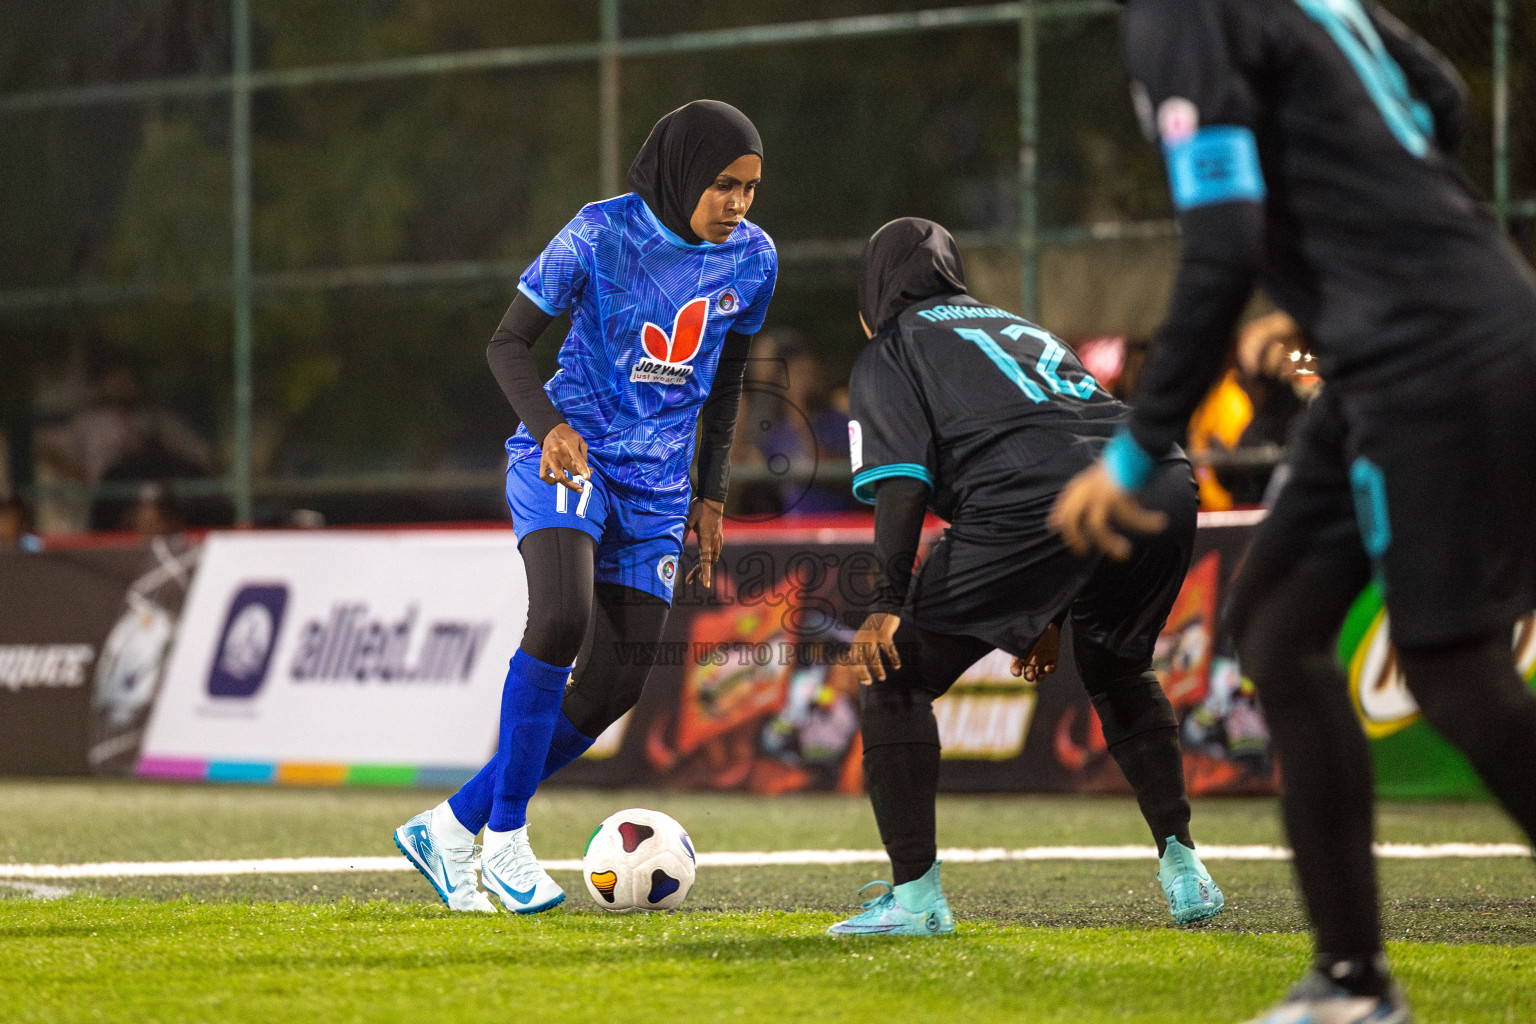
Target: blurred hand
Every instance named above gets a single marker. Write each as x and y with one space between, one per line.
875 637
1042 660
704 519
565 458
1089 509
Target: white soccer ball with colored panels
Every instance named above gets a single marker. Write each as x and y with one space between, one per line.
639 860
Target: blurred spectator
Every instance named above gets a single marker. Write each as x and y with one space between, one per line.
16 527
807 447
306 519
119 437
155 513
1277 373
1251 411
1215 427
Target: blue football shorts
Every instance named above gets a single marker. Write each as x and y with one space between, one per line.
636 547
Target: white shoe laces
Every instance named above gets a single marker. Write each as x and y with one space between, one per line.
462 858
516 863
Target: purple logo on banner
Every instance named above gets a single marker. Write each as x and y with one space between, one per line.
247 640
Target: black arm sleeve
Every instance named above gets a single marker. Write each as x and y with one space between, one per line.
512 365
900 503
1223 251
717 420
1186 63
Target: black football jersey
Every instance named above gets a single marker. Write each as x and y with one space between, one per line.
993 412
1332 123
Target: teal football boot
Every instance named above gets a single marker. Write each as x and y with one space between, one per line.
917 907
1192 896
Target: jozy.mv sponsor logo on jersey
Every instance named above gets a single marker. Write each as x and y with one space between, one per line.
667 356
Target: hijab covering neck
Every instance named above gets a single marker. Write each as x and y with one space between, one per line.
684 154
905 262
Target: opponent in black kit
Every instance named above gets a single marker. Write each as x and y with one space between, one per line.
1308 145
981 416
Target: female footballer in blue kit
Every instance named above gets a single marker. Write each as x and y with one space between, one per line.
664 285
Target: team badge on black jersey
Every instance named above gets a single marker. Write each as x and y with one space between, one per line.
667 356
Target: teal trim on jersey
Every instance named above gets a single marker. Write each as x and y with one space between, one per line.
1010 366
538 300
1355 33
1370 489
669 236
1218 164
1128 463
863 483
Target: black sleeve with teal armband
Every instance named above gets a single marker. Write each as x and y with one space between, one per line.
1202 111
889 433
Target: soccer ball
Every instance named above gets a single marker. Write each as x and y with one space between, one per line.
639 860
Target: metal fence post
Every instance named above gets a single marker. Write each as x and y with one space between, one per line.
240 157
608 102
1501 111
1029 161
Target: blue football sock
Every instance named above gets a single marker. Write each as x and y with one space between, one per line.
530 704
472 803
568 744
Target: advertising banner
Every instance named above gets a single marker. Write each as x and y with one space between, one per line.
751 691
83 640
340 657
1412 761
378 658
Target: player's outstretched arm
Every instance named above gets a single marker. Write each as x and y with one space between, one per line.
1201 109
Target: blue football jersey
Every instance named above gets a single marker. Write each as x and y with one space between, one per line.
648 315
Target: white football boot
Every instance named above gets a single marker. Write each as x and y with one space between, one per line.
444 851
510 872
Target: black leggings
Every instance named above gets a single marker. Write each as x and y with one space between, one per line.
611 632
1287 616
901 739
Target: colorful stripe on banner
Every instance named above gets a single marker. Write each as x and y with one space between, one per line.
300 773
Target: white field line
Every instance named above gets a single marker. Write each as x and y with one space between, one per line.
39 891
340 865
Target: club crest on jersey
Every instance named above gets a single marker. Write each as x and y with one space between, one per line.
728 302
667 356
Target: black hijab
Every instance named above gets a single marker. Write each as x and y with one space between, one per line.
684 153
905 262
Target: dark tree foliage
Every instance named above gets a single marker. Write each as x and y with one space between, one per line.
486 166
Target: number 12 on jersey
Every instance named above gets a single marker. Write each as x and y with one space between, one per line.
1047 365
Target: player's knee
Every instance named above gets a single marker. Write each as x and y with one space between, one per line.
555 632
1129 707
893 714
593 714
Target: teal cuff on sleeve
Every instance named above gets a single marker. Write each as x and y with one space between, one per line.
864 483
1128 464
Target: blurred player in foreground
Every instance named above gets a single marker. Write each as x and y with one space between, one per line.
1308 146
664 285
979 415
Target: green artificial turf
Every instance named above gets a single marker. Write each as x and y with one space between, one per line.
70 821
1039 941
93 959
